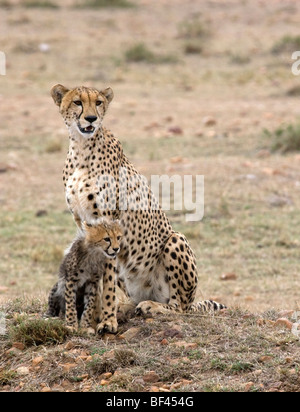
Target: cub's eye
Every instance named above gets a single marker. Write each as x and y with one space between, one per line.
78 102
119 238
107 239
98 103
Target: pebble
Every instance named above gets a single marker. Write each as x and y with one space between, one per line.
23 370
151 377
209 121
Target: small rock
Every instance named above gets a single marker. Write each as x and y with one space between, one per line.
130 333
264 359
186 345
37 361
41 213
199 133
151 377
44 47
23 370
68 366
175 130
279 201
286 313
172 333
212 133
106 356
260 322
152 125
283 322
164 342
69 345
19 345
177 159
228 276
106 376
209 121
264 153
109 337
46 389
248 386
104 382
13 352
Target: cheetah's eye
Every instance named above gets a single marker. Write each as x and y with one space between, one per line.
106 239
98 103
119 238
78 102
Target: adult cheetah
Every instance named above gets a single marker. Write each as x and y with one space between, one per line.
156 266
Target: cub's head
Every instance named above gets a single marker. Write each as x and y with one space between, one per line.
105 235
82 108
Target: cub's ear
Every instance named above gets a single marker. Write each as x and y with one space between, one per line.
108 93
58 92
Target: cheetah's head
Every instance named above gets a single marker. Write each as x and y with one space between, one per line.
82 108
105 235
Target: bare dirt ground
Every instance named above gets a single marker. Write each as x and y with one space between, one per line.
199 104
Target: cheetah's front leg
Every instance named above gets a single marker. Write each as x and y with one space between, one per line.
89 308
109 305
71 312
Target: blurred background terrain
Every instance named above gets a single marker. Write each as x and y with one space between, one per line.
201 87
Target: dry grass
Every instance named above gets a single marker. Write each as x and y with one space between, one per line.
233 351
252 205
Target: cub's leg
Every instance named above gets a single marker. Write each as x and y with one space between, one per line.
53 303
109 305
70 298
89 306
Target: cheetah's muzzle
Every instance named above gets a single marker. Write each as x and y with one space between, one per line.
88 130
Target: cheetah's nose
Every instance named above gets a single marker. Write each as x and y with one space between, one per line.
91 119
116 250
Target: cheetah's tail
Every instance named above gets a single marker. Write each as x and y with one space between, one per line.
206 306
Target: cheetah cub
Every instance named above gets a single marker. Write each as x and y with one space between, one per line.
78 293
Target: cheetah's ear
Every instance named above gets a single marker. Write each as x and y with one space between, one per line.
58 92
108 93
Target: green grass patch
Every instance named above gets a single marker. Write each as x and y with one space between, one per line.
193 28
139 53
6 377
284 139
43 4
35 332
106 4
287 44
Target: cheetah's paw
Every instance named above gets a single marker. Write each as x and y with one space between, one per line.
150 308
107 326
